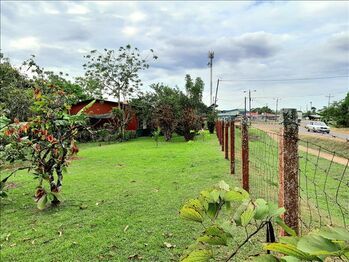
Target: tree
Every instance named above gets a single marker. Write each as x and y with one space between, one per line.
264 109
116 73
166 108
338 113
44 143
16 91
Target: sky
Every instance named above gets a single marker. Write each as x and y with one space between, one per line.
307 42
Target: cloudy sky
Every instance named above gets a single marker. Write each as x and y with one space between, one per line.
304 44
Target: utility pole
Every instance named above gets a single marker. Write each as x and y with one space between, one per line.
276 106
249 101
311 106
210 63
245 105
329 99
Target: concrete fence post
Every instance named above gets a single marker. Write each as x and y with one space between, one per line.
288 168
244 155
232 147
226 140
222 132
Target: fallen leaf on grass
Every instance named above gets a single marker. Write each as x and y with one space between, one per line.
60 233
8 236
135 257
83 206
167 235
125 229
169 245
13 245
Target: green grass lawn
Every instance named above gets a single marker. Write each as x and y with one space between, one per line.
132 193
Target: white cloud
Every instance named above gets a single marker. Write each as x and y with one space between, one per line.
137 17
25 43
271 39
129 31
77 9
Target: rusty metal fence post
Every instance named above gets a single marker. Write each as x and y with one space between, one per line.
226 140
288 168
232 147
244 155
222 135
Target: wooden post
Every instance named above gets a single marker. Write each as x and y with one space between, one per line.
288 168
222 132
232 147
226 140
244 155
219 132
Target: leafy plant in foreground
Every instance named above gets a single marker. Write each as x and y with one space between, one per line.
251 216
244 214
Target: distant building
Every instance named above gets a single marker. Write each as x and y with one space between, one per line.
230 114
101 112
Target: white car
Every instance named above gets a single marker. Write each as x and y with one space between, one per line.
318 127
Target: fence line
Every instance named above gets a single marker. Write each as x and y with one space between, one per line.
311 182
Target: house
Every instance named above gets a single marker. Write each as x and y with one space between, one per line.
230 114
101 112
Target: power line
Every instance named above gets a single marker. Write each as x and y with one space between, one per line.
284 79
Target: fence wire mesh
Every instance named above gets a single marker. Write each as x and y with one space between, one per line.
263 163
323 187
323 177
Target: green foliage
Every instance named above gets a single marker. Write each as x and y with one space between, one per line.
203 134
44 144
263 109
156 136
211 120
207 210
337 113
319 245
115 72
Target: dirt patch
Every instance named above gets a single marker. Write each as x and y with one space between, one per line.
330 157
11 185
75 158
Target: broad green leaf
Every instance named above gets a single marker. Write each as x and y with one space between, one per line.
222 185
212 210
247 215
190 214
41 204
285 227
334 233
243 192
195 204
58 196
215 235
274 211
202 255
290 250
214 195
289 240
265 258
262 209
289 259
318 245
239 211
233 196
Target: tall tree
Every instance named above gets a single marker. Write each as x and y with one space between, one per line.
15 91
117 74
117 71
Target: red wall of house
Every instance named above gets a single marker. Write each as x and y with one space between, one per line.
104 107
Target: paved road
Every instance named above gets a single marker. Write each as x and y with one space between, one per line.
332 134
